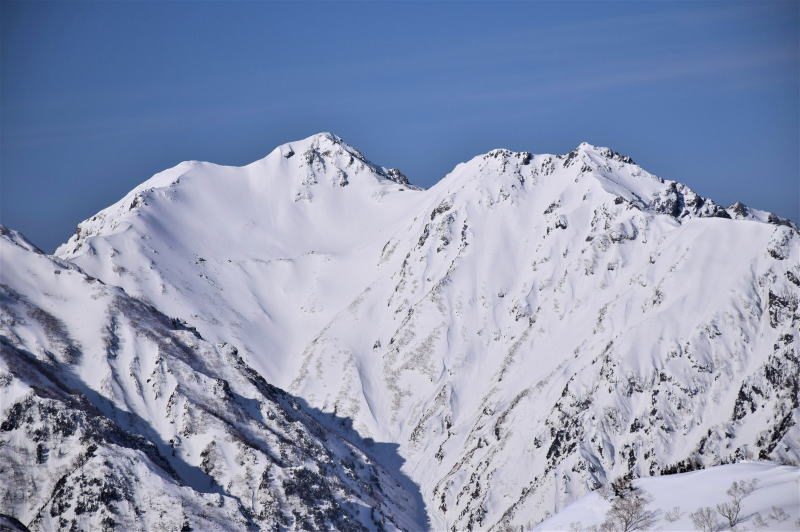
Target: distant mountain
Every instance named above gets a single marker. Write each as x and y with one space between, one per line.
521 333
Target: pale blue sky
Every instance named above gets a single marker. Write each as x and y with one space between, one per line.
96 97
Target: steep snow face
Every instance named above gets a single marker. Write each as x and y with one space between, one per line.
526 330
257 255
772 505
114 415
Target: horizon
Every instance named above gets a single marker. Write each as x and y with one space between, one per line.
97 98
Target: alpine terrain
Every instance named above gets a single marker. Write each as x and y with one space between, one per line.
312 342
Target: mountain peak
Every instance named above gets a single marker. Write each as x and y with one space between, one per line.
608 153
323 141
617 174
327 149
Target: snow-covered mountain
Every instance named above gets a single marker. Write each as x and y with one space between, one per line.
772 504
117 416
521 333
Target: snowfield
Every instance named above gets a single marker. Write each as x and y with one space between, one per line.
474 356
772 506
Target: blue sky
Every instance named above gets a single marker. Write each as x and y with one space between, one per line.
96 97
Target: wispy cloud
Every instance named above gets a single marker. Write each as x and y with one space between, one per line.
588 78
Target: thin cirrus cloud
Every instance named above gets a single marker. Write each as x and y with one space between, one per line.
668 68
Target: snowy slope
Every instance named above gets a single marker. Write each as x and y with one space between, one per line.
270 247
773 505
525 330
115 415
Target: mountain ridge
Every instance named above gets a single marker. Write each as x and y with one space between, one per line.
675 199
525 330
